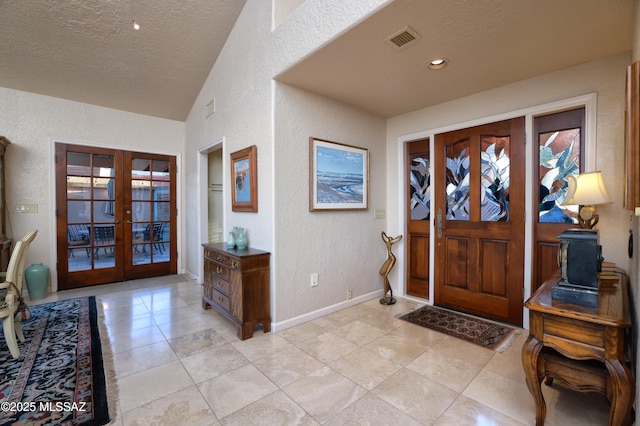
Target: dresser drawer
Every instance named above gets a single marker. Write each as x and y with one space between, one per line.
222 259
221 299
222 271
220 284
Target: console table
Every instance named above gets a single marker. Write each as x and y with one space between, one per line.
236 283
582 348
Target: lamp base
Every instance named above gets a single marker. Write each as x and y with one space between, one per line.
588 217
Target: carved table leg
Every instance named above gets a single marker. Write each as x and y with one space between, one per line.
623 393
530 359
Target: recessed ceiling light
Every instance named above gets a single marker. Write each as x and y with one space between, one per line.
136 26
437 64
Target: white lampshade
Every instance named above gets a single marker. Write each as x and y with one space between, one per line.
586 189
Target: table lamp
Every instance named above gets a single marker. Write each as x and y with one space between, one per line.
587 190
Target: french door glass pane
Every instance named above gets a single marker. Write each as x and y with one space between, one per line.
559 158
150 214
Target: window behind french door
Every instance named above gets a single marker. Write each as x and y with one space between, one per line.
116 215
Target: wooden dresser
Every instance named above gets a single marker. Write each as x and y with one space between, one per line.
236 283
582 348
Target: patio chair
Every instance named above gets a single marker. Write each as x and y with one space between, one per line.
12 289
155 236
103 238
77 236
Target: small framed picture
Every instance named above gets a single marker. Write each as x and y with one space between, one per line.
244 180
338 176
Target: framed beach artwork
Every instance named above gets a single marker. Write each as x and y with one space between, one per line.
338 176
244 180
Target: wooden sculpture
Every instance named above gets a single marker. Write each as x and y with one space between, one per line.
386 268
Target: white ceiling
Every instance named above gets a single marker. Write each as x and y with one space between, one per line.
87 50
489 43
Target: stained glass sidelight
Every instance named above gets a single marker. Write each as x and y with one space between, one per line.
494 179
458 180
420 185
559 158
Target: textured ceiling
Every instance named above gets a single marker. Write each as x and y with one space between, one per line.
88 51
489 43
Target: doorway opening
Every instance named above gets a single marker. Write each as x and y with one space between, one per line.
211 198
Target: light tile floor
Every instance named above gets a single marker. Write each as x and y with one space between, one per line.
177 364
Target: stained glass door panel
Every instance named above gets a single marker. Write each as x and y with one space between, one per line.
559 158
457 183
495 169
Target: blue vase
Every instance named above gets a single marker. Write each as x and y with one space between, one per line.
36 277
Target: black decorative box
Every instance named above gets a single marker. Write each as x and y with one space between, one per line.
580 260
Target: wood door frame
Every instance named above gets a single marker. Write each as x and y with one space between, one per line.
589 101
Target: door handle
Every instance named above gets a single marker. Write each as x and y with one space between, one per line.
129 222
439 223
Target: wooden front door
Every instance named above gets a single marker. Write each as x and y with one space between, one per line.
116 215
479 180
418 215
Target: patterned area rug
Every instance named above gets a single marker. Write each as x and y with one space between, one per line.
476 330
60 375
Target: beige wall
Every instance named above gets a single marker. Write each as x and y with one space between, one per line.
343 247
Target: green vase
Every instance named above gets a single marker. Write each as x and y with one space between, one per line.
241 239
36 277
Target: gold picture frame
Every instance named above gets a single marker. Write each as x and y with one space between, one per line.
244 180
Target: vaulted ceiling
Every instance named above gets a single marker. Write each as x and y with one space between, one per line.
87 50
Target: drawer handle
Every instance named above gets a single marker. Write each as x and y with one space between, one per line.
219 269
219 284
235 264
220 299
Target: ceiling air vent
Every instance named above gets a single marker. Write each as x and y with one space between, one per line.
403 37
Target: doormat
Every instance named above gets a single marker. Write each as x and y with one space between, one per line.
476 330
59 377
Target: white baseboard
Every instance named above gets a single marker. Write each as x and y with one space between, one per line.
283 325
